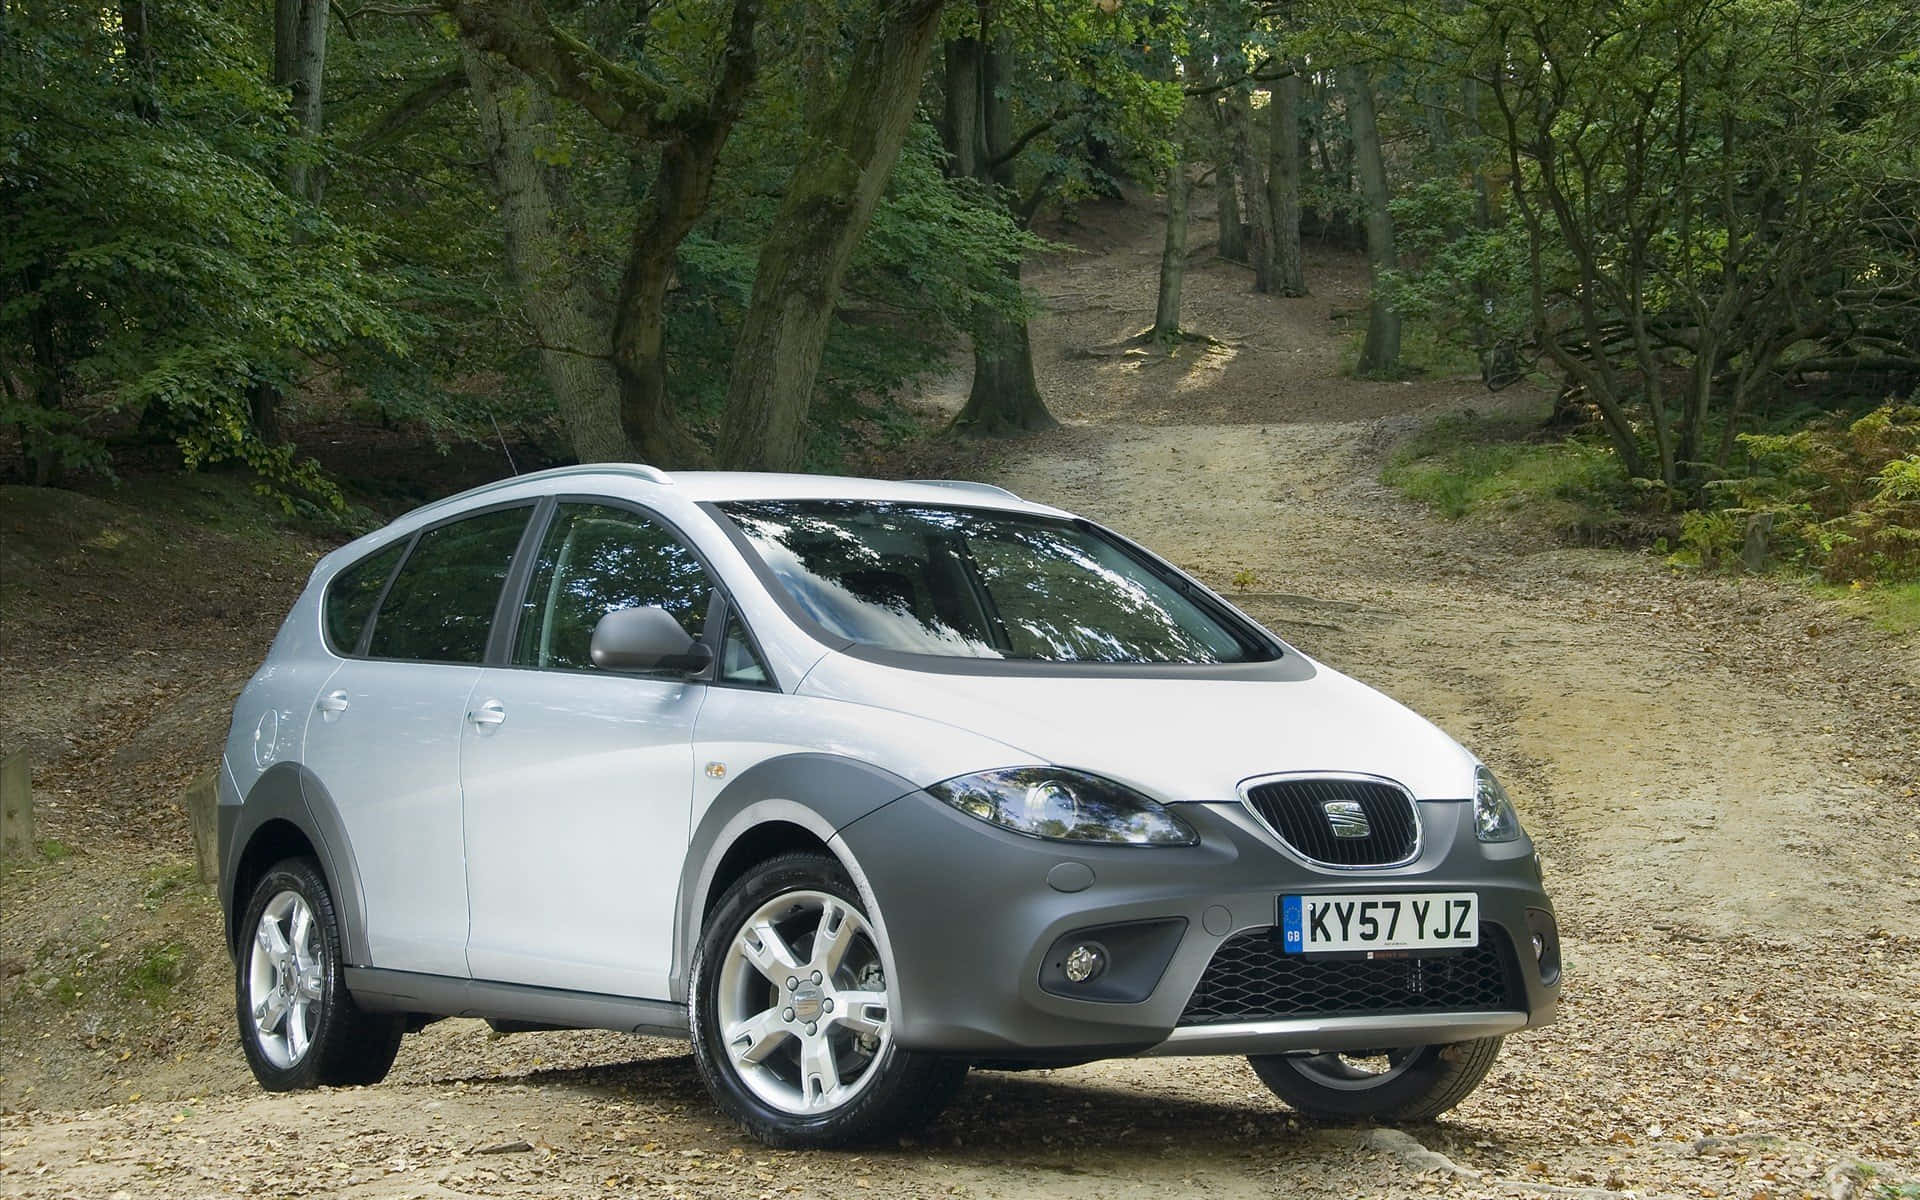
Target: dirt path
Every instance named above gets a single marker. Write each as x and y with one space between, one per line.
1719 805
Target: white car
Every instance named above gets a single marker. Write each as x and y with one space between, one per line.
855 784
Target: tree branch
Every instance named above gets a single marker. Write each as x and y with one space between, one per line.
620 98
393 123
1020 143
1264 71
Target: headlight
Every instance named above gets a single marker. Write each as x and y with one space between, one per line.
1067 806
1493 817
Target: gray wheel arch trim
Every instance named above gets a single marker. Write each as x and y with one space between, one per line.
820 793
288 792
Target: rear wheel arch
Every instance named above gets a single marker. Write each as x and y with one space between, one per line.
288 814
275 840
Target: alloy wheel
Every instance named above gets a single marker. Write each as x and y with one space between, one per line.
1355 1072
802 1005
286 979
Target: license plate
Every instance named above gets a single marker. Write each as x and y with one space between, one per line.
1401 921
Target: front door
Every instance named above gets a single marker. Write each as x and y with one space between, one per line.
578 782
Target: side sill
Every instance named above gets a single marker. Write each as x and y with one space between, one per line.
1323 1034
441 996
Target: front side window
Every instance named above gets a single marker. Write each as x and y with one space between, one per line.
440 607
353 593
975 583
594 560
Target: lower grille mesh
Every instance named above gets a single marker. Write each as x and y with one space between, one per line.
1252 978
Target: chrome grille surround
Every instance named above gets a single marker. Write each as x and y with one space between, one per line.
1269 797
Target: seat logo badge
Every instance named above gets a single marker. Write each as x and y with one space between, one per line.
716 770
1347 819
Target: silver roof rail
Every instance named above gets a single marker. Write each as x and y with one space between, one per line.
640 470
965 485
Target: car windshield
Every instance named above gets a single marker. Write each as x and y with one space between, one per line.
975 583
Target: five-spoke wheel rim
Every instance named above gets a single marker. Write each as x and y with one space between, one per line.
801 1005
286 979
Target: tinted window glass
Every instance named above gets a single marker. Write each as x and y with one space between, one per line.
440 608
738 662
970 583
595 560
352 595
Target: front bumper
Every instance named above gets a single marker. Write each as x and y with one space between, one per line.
971 913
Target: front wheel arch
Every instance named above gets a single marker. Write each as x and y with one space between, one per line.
717 840
899 1088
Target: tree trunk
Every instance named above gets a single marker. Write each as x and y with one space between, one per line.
1283 186
1260 251
1173 252
37 441
844 166
305 75
299 67
1381 353
572 324
1232 244
1005 395
137 42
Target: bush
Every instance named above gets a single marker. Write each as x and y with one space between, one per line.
1465 464
1843 498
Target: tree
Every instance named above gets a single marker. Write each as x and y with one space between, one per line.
1004 396
300 66
1039 101
151 262
1283 184
1705 204
687 127
847 159
1173 252
1239 149
1380 355
572 319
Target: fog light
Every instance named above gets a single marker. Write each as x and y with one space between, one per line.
1539 947
1083 963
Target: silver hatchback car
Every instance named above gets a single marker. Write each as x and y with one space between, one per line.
855 785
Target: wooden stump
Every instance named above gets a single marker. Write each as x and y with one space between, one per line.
16 805
200 799
1753 554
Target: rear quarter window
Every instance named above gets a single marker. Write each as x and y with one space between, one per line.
352 595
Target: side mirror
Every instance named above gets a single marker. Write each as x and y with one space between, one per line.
646 639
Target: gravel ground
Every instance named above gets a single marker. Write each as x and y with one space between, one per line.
1721 778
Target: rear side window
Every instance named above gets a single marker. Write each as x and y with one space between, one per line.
352 595
593 561
440 607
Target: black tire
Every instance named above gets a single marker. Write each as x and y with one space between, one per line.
1424 1083
905 1090
347 1047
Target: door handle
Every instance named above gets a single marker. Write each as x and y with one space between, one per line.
332 705
487 715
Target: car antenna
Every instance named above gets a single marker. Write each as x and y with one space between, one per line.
511 465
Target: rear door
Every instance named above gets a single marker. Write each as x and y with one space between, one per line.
384 739
578 782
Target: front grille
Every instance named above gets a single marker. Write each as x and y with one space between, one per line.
1252 978
1297 812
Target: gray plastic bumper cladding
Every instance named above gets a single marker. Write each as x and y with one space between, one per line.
976 929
